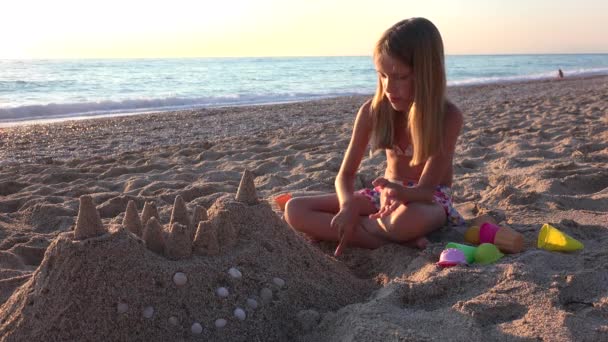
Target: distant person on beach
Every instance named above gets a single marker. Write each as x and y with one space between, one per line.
560 74
410 119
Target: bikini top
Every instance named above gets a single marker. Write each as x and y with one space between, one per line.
409 151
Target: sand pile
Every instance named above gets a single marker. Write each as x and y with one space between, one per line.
97 283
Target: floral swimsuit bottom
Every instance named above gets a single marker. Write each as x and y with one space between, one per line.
442 196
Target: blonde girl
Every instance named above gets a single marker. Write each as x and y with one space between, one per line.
410 118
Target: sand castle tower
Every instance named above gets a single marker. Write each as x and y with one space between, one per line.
88 223
198 215
246 192
180 212
148 212
179 243
226 232
131 220
154 236
205 241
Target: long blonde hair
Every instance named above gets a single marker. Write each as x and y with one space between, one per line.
417 43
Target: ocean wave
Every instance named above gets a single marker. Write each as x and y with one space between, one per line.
68 110
580 72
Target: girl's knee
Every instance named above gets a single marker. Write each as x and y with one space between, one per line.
294 210
390 229
291 209
407 230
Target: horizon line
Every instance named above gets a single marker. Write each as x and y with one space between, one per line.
298 56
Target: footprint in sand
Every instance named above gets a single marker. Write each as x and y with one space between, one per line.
583 290
492 311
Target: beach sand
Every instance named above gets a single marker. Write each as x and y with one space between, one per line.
530 153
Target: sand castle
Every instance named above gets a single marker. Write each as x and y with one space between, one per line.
211 275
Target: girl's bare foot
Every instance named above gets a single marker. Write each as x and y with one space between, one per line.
419 243
374 227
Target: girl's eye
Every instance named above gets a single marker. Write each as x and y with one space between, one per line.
404 77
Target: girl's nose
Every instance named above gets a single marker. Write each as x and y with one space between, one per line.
390 85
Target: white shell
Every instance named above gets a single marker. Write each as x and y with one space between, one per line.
222 292
252 303
220 322
278 282
180 278
173 320
148 312
196 328
240 314
235 273
122 308
266 294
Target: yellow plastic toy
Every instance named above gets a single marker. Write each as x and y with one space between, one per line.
552 239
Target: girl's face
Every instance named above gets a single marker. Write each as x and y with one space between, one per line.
397 81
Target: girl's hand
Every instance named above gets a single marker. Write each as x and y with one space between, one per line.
381 182
389 197
344 222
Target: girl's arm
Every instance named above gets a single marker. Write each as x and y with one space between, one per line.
345 181
348 216
438 165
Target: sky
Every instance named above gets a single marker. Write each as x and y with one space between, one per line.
237 28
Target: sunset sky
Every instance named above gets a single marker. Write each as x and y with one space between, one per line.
202 28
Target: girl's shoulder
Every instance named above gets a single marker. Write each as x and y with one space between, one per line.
453 114
365 110
367 105
451 108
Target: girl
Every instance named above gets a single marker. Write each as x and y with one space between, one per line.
409 117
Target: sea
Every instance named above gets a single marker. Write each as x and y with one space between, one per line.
43 90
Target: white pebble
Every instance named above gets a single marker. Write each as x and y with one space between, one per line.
197 328
222 292
278 282
220 323
148 312
235 273
252 303
173 320
266 295
122 307
180 278
240 314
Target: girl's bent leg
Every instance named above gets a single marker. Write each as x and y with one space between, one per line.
413 221
312 215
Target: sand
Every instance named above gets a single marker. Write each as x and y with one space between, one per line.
530 153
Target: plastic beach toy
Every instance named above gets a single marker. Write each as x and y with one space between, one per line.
471 235
487 232
281 200
469 251
487 253
451 257
508 240
552 239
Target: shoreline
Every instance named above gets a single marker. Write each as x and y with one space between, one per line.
144 111
22 143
